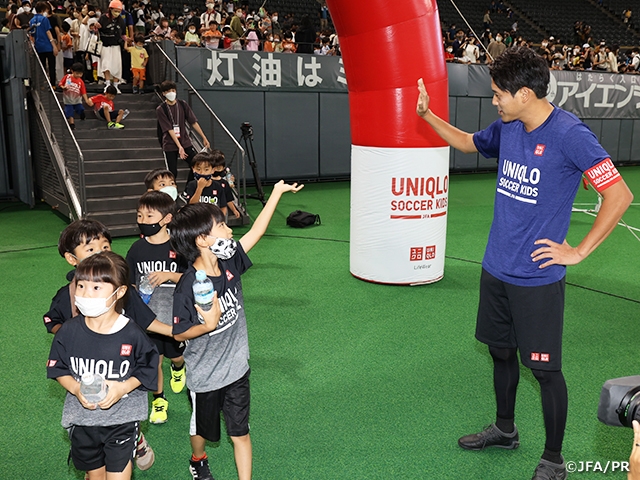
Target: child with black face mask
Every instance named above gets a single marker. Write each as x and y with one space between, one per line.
204 189
154 263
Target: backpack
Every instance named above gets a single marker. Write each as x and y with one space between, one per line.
165 109
300 219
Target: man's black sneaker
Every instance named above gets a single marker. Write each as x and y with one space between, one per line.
547 470
200 470
491 436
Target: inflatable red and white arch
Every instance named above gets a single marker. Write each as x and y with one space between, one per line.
399 165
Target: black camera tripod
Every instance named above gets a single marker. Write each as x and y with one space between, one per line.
247 136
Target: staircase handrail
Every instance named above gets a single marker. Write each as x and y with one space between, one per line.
59 150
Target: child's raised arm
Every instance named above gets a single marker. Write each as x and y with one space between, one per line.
262 222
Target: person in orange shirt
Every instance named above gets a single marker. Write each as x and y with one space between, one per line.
288 45
139 59
211 37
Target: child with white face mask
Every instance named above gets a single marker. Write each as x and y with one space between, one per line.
102 341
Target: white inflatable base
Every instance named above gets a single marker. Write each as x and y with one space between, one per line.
399 202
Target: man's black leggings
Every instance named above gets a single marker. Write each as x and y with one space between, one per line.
553 389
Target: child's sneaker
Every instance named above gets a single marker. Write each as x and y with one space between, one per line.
135 89
178 378
159 409
83 115
200 470
72 126
114 125
144 454
126 113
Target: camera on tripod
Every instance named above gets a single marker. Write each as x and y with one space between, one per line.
620 401
247 130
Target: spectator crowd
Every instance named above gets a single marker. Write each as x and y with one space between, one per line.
582 53
76 27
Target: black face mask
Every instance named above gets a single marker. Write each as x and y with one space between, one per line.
197 176
149 229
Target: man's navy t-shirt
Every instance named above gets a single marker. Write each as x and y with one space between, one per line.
539 174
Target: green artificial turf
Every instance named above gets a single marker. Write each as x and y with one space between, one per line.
350 380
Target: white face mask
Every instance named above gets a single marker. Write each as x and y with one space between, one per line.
498 39
94 307
192 30
171 190
210 6
171 96
275 19
224 248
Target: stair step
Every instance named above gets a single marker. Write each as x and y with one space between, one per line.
122 164
126 203
93 123
104 133
115 177
107 141
96 153
121 189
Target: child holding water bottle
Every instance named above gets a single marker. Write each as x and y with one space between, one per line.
102 341
155 269
217 353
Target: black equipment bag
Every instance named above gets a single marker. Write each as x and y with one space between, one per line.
300 219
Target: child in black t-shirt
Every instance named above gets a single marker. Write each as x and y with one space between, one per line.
219 174
79 241
217 351
102 341
204 189
152 260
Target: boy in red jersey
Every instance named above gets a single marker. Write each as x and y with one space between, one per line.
74 92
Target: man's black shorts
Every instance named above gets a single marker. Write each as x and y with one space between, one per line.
95 447
233 400
527 318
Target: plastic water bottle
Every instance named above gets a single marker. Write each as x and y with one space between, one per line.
229 178
203 290
145 289
68 80
93 387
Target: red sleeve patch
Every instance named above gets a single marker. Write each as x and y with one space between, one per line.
52 363
603 175
47 320
176 320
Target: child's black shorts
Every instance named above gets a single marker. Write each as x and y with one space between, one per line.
527 318
233 400
167 346
95 447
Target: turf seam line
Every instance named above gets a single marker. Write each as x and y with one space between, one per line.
27 249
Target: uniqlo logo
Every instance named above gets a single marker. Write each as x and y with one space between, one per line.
229 275
176 319
215 192
52 363
430 252
125 350
47 320
172 254
539 150
416 254
544 357
535 357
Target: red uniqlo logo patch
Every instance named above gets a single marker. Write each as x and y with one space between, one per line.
535 357
229 275
176 319
172 254
544 357
52 363
539 150
125 350
47 320
416 254
430 252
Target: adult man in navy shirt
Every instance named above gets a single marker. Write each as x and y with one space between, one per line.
542 153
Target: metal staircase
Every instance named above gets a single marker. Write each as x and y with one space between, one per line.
94 172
